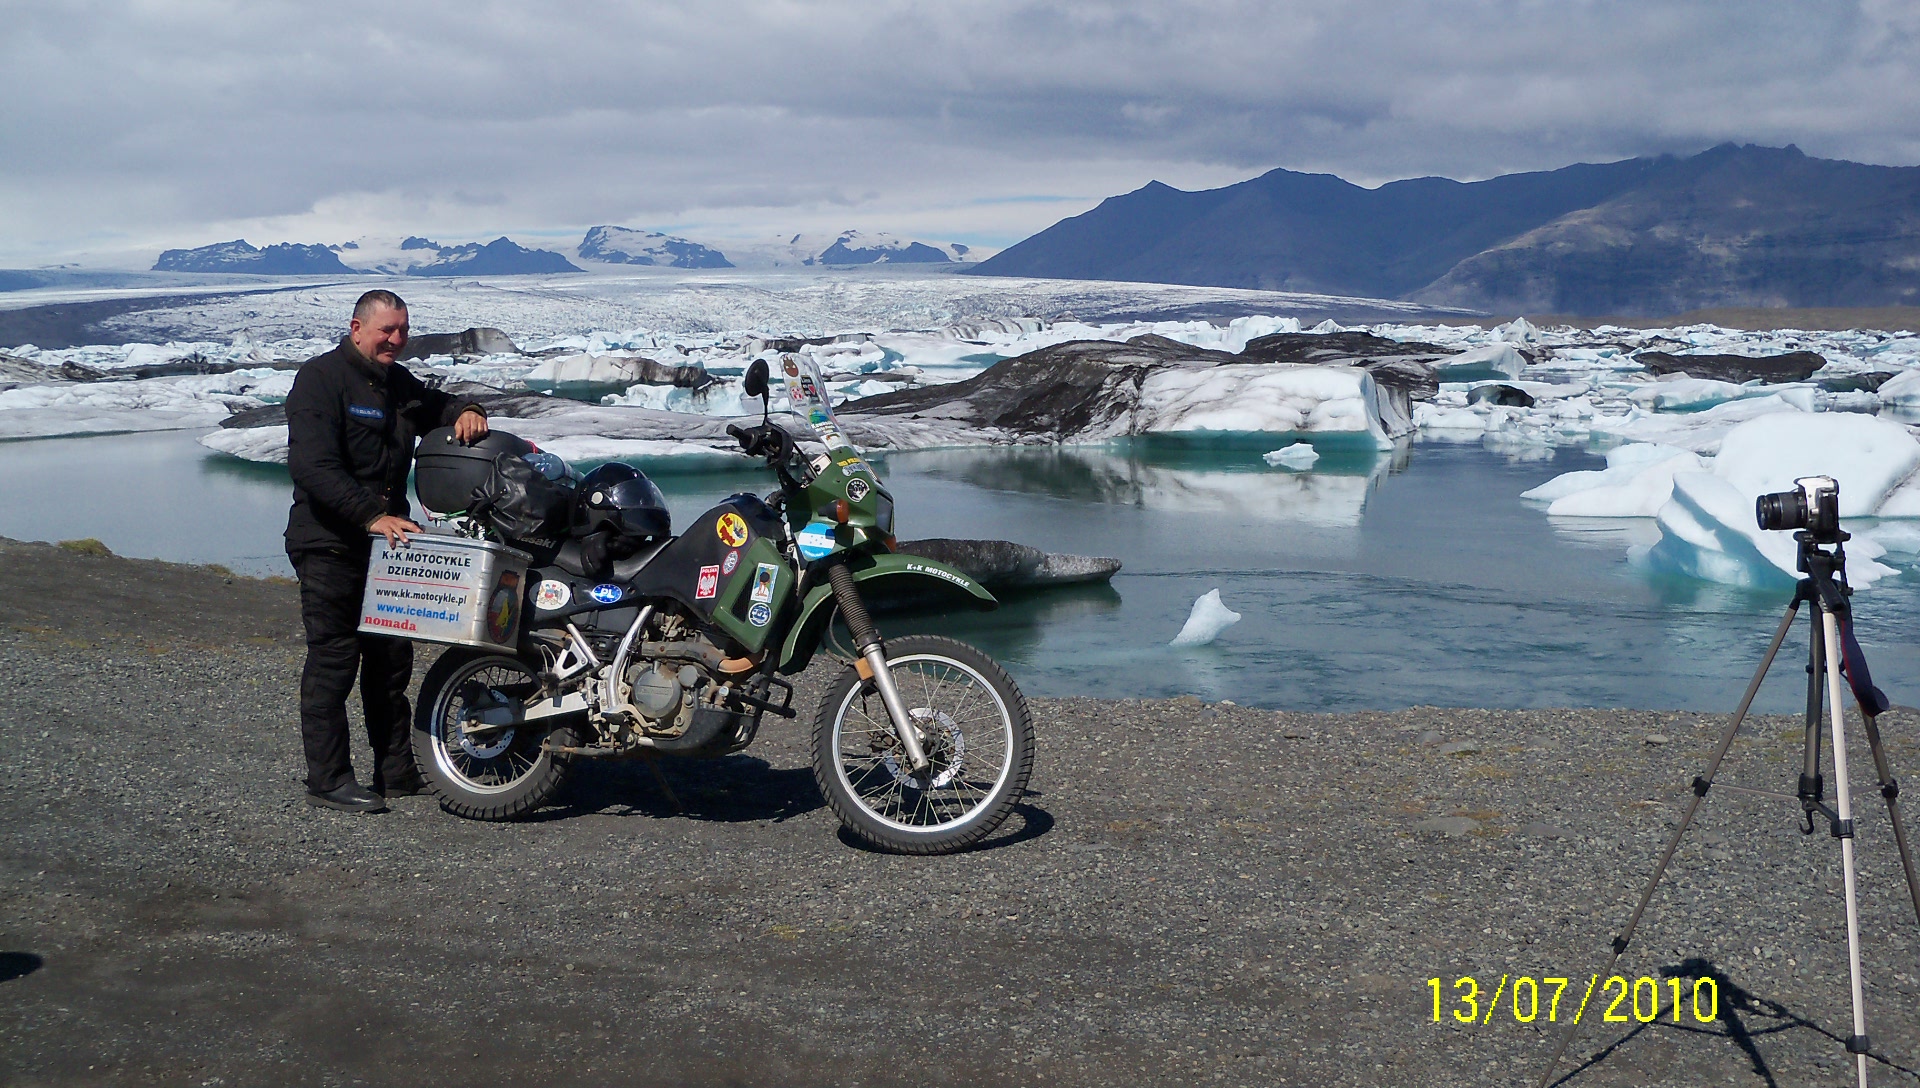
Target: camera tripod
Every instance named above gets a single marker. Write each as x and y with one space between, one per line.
1832 651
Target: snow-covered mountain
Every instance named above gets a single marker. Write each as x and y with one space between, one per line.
284 259
500 257
851 247
624 245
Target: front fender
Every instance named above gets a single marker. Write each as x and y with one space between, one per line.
885 573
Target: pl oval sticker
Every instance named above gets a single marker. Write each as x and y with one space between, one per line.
816 540
551 595
731 529
607 593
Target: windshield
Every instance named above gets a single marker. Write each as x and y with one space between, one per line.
807 398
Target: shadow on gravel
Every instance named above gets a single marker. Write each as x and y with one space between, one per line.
735 789
18 965
1035 822
1746 1018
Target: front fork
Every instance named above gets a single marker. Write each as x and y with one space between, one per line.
866 641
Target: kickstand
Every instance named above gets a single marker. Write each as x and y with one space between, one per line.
653 764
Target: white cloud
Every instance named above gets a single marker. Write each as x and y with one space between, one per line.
150 124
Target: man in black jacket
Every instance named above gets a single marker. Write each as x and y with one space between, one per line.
352 418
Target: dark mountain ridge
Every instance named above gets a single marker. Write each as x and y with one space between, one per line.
282 259
1732 226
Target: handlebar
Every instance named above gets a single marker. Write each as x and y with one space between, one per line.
771 441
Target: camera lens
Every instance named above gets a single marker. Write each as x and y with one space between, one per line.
1781 510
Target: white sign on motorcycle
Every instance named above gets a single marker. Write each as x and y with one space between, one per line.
445 589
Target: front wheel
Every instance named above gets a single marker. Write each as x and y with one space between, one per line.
975 731
483 761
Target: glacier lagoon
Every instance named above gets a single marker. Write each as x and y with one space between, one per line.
1370 582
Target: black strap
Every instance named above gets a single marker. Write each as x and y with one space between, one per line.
1853 665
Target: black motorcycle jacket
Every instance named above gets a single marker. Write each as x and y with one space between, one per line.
351 426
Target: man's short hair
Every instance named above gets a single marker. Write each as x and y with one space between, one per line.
374 300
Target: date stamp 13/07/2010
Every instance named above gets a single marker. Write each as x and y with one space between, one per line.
1530 998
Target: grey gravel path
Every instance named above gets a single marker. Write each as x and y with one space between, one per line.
1196 894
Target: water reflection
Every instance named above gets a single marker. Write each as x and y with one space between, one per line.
1238 483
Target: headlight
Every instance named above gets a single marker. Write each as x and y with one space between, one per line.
883 514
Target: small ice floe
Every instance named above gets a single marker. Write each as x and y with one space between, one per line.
1208 619
1299 457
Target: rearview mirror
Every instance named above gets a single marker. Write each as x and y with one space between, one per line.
755 383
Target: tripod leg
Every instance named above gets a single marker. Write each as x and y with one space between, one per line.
1700 787
1812 786
1830 631
1890 789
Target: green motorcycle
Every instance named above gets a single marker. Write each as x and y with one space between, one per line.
622 640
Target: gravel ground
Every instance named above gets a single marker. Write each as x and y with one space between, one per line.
1195 894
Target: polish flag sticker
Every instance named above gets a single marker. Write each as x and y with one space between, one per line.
709 584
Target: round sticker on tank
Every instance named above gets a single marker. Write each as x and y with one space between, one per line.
551 595
731 562
731 529
857 489
607 593
759 615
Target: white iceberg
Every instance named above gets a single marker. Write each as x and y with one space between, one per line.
1253 398
1708 528
1868 457
1707 531
1902 389
1497 360
266 445
584 376
1637 482
1700 432
1299 456
1204 624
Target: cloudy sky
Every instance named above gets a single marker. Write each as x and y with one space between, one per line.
128 127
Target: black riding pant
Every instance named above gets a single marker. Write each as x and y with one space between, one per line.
332 583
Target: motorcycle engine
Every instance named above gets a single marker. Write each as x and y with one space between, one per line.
663 692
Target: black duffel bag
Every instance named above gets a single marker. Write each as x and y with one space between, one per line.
521 500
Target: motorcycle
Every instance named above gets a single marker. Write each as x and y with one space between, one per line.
635 643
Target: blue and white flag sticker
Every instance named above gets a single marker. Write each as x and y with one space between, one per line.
816 540
759 615
607 593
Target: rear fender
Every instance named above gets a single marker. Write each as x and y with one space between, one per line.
882 575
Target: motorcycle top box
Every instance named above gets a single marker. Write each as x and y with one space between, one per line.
445 589
446 471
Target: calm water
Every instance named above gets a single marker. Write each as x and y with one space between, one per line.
1373 583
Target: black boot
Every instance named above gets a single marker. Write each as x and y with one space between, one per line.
352 797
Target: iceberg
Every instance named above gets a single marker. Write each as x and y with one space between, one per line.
1635 489
265 445
1708 532
1705 509
1868 457
1204 624
1498 360
1260 399
1299 456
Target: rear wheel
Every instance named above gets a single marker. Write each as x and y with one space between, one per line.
974 728
481 760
